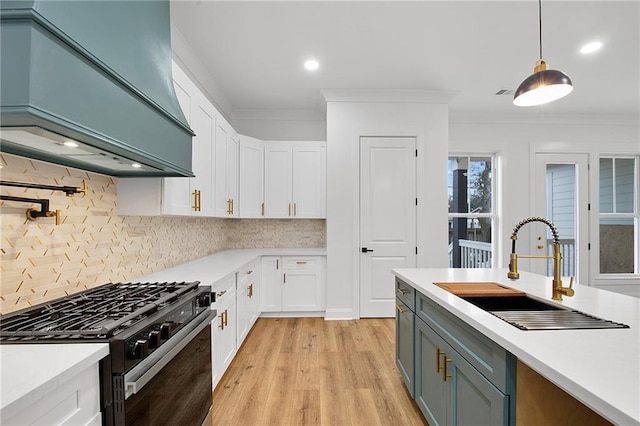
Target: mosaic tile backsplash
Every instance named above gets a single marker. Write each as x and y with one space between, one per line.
94 246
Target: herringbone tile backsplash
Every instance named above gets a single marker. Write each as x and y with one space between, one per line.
94 246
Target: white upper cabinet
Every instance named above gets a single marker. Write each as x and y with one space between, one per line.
179 196
251 177
295 180
227 151
309 181
235 176
278 178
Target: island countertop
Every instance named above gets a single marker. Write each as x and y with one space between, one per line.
600 368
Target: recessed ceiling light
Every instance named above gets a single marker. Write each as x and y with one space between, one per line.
136 165
70 144
311 64
591 47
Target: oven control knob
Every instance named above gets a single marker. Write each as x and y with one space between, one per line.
139 350
204 300
154 339
165 331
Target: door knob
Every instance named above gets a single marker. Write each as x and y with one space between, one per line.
365 250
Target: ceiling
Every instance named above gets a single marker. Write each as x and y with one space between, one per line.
253 52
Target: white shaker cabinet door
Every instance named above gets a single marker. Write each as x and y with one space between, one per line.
251 178
309 181
278 180
271 284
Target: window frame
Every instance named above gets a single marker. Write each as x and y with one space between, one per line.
492 216
634 216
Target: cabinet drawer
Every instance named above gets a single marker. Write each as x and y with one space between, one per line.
224 289
248 273
490 359
300 263
406 293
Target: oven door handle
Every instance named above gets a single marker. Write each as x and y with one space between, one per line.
140 375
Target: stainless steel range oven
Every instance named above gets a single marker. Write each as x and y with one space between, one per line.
159 366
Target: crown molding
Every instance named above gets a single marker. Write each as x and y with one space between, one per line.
389 96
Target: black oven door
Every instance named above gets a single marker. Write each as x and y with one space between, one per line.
173 387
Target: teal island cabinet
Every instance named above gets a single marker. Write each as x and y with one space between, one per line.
465 366
456 375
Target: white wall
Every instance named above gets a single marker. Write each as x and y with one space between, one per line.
346 122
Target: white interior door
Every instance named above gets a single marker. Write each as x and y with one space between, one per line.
387 219
561 195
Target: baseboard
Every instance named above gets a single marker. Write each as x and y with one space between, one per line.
339 314
291 314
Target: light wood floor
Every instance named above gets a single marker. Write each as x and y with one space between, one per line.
308 371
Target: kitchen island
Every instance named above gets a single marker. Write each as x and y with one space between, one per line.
599 368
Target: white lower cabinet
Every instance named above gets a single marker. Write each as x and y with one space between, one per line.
223 328
293 284
75 402
247 296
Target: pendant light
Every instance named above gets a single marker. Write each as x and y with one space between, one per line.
543 86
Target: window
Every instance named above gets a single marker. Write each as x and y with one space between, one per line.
619 218
470 211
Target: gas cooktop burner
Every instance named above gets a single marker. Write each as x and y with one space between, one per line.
96 313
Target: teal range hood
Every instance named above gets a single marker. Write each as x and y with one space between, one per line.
88 84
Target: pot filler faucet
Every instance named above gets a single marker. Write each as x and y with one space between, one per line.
557 289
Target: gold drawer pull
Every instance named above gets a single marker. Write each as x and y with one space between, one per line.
402 311
403 291
438 353
444 368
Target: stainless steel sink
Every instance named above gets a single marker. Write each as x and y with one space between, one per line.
527 313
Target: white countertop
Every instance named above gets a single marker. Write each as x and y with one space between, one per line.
210 269
31 371
600 368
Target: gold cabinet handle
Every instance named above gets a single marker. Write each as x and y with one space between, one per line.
402 311
262 209
226 318
199 200
438 353
403 291
249 272
444 368
289 209
221 316
295 209
232 206
220 294
195 200
250 293
540 246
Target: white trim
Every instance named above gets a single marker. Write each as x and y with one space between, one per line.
339 314
318 314
397 95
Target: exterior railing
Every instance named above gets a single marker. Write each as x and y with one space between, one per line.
476 254
568 252
473 254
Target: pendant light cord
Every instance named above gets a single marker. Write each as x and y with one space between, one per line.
540 24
